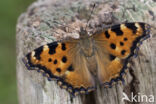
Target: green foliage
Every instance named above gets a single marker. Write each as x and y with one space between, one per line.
9 12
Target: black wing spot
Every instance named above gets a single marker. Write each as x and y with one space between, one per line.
58 70
121 43
112 45
70 68
143 28
49 60
52 47
112 57
63 46
123 52
64 59
117 30
55 61
38 52
125 39
107 34
132 27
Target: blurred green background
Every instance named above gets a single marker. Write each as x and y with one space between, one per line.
9 12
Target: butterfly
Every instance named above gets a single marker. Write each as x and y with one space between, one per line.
79 64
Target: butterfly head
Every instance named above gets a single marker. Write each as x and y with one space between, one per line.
83 33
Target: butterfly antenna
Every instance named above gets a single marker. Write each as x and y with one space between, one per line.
90 16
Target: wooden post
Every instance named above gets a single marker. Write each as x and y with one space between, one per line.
49 20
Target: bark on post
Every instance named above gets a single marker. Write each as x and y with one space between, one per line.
36 27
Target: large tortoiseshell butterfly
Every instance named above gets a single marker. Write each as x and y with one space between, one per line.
78 64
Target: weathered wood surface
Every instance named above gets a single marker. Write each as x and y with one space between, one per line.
36 27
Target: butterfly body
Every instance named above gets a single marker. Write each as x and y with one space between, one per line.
78 64
87 47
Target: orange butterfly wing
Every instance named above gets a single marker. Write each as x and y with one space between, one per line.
115 46
63 62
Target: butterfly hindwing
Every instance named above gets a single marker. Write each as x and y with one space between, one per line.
115 46
62 61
